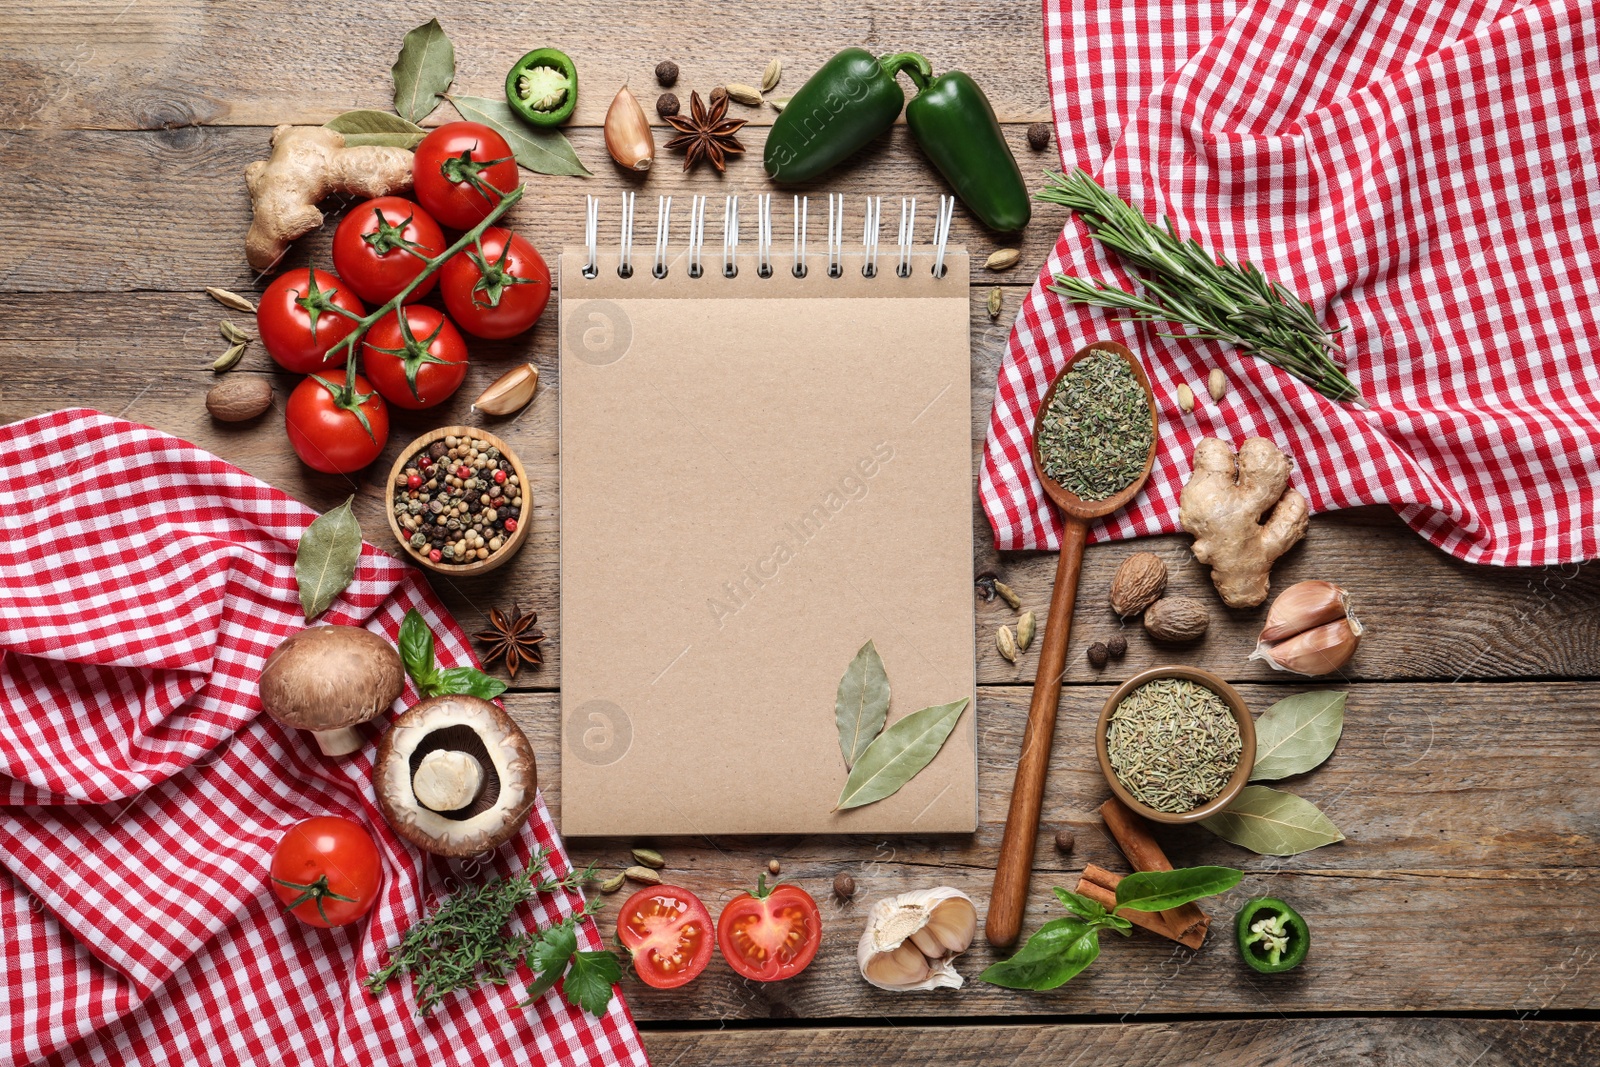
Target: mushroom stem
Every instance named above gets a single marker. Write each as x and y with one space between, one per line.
339 742
447 780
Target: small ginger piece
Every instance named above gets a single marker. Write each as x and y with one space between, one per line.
307 164
1225 505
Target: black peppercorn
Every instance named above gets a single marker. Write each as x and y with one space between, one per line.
667 73
1039 136
1065 839
1117 646
1098 655
667 105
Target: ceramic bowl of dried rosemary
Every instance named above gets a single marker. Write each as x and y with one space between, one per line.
459 501
1176 744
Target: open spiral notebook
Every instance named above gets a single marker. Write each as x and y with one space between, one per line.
766 461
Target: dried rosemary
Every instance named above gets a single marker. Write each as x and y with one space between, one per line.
1096 433
1173 744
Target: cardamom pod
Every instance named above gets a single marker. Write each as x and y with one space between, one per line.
779 102
1002 259
1026 626
642 875
995 297
232 334
649 857
611 885
232 300
748 95
1185 398
1007 595
1217 384
510 392
228 359
769 77
1006 642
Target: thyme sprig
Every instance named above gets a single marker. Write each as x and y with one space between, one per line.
464 942
1211 297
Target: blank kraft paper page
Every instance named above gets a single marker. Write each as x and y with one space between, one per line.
759 475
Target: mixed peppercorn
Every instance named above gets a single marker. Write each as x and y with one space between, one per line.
459 500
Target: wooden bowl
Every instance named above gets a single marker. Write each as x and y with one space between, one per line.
496 559
1247 738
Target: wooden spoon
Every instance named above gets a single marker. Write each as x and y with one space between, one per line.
1015 867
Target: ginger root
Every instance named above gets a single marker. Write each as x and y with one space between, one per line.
307 164
1225 506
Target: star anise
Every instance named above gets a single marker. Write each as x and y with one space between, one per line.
707 134
515 638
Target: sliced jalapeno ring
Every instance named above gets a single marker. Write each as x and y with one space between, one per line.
542 87
1272 936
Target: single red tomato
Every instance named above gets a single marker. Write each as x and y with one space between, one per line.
381 245
326 871
668 932
335 429
416 362
772 934
497 287
297 320
462 170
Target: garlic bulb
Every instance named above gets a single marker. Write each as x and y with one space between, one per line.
911 939
1310 630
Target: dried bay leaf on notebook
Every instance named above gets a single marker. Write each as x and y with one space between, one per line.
862 703
899 753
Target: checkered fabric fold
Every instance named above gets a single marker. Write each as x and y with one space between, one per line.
1424 173
142 793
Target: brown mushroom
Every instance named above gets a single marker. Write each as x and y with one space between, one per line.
328 679
455 776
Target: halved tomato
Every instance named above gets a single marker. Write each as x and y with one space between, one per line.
668 931
772 934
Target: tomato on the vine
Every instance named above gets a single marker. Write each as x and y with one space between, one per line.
381 245
415 362
771 934
668 932
462 170
498 287
327 871
335 428
298 322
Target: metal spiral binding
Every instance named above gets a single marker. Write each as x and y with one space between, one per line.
802 208
730 236
625 259
697 236
835 234
591 235
764 235
870 224
908 226
658 268
941 233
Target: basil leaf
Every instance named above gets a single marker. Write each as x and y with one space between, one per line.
862 703
1117 923
899 753
416 650
467 680
1085 908
1160 890
1273 823
541 151
1061 949
425 69
589 983
1296 734
326 558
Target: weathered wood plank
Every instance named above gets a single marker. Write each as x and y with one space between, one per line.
1281 1042
147 355
1467 808
107 64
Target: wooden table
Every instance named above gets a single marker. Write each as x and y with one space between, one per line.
1457 924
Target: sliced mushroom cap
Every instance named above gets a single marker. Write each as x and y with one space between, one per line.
455 750
328 679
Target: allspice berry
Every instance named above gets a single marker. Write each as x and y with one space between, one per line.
667 73
719 93
1065 839
844 886
773 867
667 105
1117 647
1039 136
1098 655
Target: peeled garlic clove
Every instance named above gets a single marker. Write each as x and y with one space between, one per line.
1304 606
628 136
1321 650
931 926
901 969
926 943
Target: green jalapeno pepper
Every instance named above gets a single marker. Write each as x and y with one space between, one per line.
851 99
543 87
1272 936
956 127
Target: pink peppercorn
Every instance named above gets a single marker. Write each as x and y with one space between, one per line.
463 472
511 526
436 555
500 477
414 482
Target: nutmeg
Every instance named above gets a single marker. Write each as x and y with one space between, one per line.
239 398
1177 619
1138 583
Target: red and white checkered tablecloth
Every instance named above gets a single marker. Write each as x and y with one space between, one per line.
143 582
1425 173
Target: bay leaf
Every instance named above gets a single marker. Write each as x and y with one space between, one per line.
899 753
541 151
1273 823
862 703
1296 734
367 120
425 69
326 559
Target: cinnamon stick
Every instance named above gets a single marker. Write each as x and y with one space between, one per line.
1100 885
1132 835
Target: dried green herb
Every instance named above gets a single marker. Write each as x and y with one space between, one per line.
326 558
542 151
1296 734
899 753
1273 823
1096 433
1173 744
425 69
862 703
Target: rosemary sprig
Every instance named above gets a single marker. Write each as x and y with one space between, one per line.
1212 298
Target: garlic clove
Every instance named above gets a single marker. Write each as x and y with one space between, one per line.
1304 606
628 136
910 939
1321 650
902 967
927 944
955 923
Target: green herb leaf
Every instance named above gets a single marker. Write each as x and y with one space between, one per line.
1061 949
1085 908
899 753
1296 734
467 680
1160 890
540 150
326 559
553 949
368 127
589 983
1273 823
862 703
416 649
425 69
